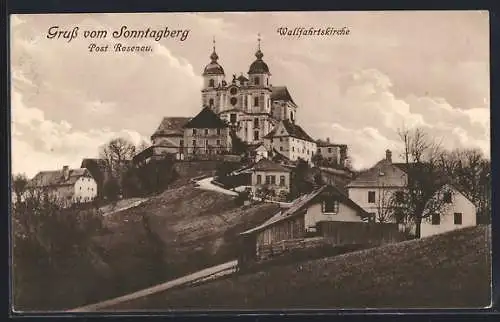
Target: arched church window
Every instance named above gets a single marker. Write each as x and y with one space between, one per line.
291 116
233 101
233 91
267 82
211 83
256 81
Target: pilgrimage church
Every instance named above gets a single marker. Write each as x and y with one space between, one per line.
248 106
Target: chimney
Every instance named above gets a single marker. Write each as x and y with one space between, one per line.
65 171
388 155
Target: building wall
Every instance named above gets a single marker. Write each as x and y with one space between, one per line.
291 147
460 204
284 230
85 190
330 152
216 142
360 196
276 187
315 214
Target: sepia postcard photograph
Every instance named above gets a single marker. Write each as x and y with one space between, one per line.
250 161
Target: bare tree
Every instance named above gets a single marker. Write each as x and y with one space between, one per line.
386 204
420 200
117 153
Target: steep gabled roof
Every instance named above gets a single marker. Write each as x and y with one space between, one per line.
293 130
171 126
268 165
206 119
55 178
382 173
299 204
281 93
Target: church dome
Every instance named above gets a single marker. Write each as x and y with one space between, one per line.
213 68
258 66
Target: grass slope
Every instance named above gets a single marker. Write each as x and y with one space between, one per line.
197 227
450 270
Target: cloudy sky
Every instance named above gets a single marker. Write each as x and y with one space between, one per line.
428 69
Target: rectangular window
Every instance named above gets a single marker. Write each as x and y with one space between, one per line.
282 181
447 197
399 196
206 142
330 206
281 148
206 131
268 179
218 131
371 196
256 123
329 150
181 142
259 179
218 142
436 219
194 142
256 135
273 179
232 117
255 101
458 218
194 131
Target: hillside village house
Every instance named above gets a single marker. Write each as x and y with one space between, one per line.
273 176
99 170
457 212
290 140
337 153
67 186
169 137
258 152
325 212
373 189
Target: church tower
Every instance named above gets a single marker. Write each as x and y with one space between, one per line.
213 83
259 92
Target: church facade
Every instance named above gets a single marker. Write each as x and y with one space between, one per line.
250 104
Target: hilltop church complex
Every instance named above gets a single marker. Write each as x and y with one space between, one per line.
249 107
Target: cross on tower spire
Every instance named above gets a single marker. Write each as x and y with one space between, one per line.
214 42
258 41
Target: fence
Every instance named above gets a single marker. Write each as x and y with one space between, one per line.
340 232
335 234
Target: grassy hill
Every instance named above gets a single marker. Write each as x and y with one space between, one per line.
197 229
449 270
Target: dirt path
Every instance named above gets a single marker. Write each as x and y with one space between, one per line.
220 270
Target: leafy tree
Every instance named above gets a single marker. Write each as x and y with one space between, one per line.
299 183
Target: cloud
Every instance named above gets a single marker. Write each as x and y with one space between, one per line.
367 115
42 144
